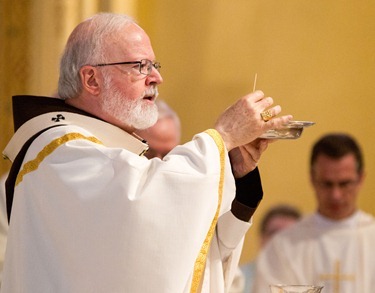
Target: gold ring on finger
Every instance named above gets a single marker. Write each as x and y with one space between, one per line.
266 115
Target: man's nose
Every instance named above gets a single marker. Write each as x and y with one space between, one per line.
154 77
336 192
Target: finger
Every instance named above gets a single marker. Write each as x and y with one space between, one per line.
279 122
255 96
263 145
260 144
265 103
250 161
268 114
275 110
253 150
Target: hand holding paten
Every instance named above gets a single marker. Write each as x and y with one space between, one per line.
242 122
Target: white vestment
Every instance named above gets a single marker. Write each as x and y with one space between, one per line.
338 255
91 218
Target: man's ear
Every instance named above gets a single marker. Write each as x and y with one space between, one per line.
90 79
311 176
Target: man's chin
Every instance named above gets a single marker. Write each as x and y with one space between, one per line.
141 125
146 119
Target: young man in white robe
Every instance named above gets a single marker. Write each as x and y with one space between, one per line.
90 213
334 246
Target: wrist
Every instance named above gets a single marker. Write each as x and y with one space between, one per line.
225 137
249 189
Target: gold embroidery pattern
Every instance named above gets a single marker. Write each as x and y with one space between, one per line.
32 165
200 262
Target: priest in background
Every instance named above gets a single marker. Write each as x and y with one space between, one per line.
334 246
165 134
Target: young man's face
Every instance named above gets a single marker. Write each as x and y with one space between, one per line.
337 184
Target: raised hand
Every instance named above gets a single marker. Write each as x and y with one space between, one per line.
242 122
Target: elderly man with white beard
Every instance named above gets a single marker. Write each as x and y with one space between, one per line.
88 212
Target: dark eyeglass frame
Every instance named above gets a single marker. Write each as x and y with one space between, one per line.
156 65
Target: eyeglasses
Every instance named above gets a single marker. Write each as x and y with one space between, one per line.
144 65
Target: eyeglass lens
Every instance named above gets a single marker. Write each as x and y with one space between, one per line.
146 66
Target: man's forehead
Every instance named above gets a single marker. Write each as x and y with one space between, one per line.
132 43
335 167
323 159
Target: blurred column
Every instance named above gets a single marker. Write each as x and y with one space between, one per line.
14 63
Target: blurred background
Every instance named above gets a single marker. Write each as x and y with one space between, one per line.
315 58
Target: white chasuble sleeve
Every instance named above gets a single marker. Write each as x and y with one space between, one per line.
225 253
89 218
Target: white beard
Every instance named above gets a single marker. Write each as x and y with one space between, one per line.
135 113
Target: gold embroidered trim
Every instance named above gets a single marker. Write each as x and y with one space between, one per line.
200 262
32 165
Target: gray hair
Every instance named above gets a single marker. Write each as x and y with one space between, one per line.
87 46
165 110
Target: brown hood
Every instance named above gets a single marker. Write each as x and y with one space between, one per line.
27 107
